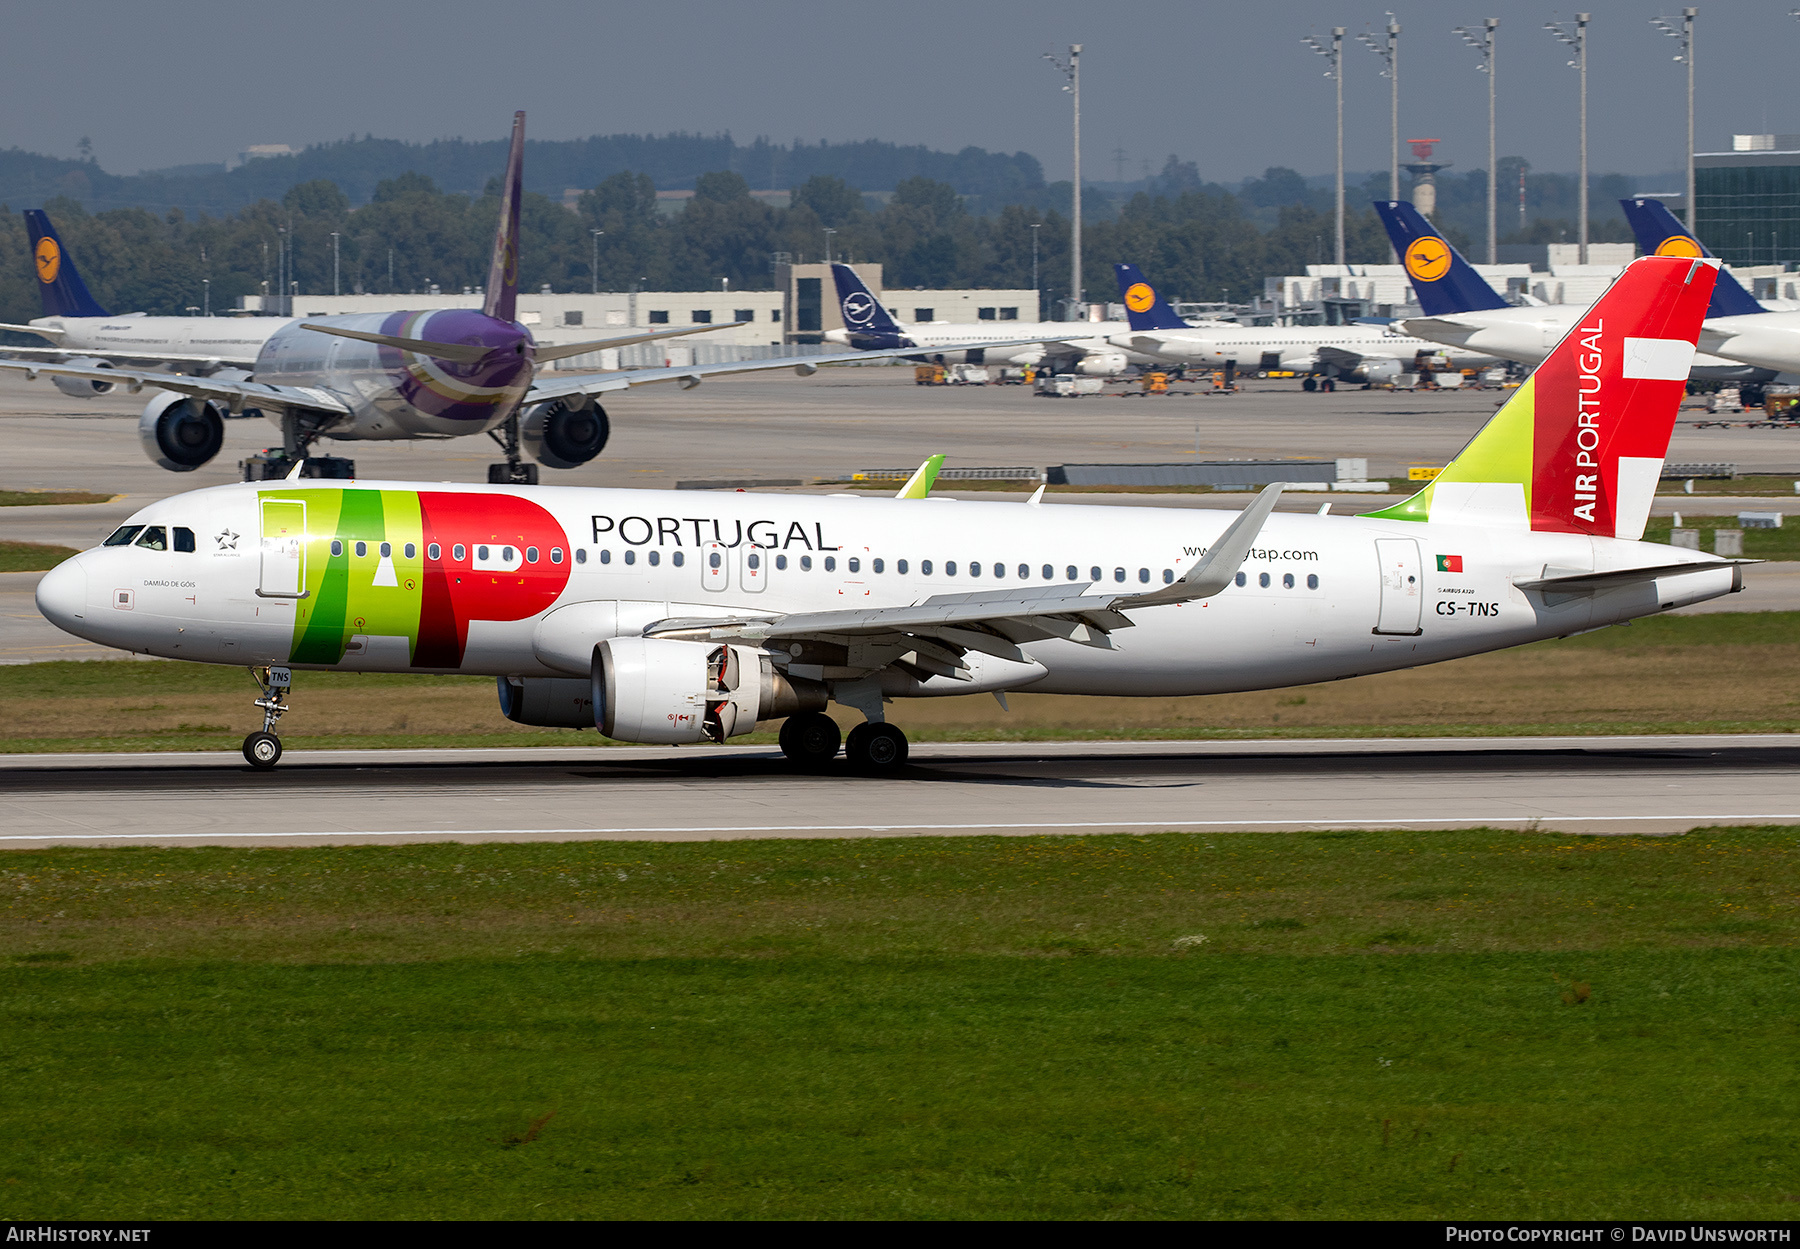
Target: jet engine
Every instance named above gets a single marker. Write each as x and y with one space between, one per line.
83 387
1379 372
180 433
565 433
666 691
548 702
1101 364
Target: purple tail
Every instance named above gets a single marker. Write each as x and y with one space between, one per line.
503 274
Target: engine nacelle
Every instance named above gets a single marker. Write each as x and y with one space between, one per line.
665 691
180 433
565 433
1101 364
548 702
1379 372
84 387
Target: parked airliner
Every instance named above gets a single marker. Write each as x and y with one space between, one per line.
669 617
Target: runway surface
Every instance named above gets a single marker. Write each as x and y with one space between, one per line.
1584 785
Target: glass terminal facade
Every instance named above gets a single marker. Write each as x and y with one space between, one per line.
1748 206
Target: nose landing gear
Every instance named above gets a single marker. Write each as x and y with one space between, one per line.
263 749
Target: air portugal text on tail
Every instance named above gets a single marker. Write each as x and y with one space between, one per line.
1579 447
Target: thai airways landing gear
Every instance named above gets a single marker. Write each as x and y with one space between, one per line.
263 749
297 437
810 739
876 748
515 472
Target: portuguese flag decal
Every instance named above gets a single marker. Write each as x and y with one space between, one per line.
1449 563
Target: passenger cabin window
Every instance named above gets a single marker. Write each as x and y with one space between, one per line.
362 549
924 568
580 555
1263 580
1144 576
974 568
1168 576
123 535
831 563
154 538
678 559
949 568
855 565
1118 574
1240 579
184 540
781 562
434 551
1312 580
806 563
337 546
531 555
1025 572
1287 580
458 551
1094 573
1074 573
880 565
630 556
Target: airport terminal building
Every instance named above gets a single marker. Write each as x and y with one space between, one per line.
1747 200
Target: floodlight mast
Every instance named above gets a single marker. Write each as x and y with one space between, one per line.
1071 70
1389 51
1574 34
1334 53
1682 28
1483 42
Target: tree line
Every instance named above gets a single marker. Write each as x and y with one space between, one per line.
1197 240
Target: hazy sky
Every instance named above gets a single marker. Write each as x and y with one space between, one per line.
1225 84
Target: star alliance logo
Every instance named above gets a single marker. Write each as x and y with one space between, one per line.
227 540
859 308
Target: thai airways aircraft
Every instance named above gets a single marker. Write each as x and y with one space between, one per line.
668 617
870 327
446 373
1363 353
1462 310
83 333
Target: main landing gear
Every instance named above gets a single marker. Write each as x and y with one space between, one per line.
515 472
812 738
263 749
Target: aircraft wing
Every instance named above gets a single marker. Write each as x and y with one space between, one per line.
692 375
161 357
1339 358
931 637
234 395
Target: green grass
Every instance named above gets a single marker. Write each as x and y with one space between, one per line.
1342 1025
1751 484
32 556
39 498
1782 544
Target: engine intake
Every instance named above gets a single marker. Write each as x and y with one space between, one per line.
565 433
669 692
180 433
84 387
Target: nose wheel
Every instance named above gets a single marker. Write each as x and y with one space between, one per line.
262 749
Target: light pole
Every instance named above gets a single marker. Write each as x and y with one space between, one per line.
1483 42
829 231
1335 55
1071 69
1685 33
1389 51
594 264
1035 288
206 296
1575 36
334 263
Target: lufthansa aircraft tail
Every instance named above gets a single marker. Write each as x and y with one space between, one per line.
1144 308
868 324
1580 446
1444 282
59 285
502 300
1660 234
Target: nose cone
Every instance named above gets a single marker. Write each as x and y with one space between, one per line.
62 595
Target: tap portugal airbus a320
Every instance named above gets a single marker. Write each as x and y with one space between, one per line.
668 617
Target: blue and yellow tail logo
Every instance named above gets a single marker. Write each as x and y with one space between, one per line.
1679 245
49 260
1428 258
1140 298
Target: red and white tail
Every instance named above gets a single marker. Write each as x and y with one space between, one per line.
1579 447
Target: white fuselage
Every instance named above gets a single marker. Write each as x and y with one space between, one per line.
933 335
1320 599
1299 348
190 344
1766 340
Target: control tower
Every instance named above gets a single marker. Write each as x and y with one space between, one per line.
1424 175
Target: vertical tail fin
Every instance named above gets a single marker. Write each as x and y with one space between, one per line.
1659 233
862 312
1444 282
59 285
1579 447
1144 308
502 302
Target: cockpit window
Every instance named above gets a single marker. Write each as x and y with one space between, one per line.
154 538
123 535
184 539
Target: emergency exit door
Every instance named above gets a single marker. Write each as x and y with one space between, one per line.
1402 592
283 549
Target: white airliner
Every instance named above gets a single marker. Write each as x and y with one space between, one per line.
668 617
1741 341
870 327
1363 353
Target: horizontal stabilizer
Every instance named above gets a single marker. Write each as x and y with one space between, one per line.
45 331
544 355
1589 582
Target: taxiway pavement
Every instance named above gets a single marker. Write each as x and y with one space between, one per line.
1578 785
